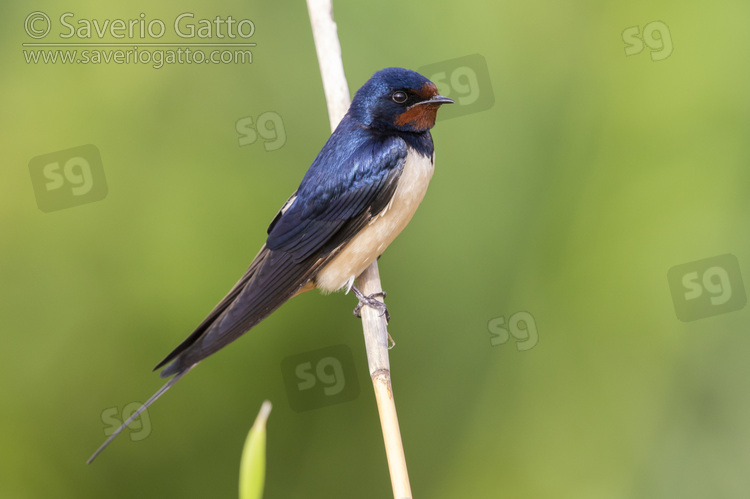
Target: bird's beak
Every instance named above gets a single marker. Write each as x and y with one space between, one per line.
437 99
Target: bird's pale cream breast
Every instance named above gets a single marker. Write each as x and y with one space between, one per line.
371 241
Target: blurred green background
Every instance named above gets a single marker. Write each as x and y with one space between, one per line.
570 198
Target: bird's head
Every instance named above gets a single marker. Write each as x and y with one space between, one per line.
397 99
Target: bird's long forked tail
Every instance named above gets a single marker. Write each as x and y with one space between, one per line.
161 391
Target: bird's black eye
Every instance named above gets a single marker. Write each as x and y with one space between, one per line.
399 97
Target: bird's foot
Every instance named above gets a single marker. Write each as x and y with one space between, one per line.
370 301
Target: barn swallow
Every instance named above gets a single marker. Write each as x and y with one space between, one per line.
358 195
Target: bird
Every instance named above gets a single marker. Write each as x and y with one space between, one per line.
359 193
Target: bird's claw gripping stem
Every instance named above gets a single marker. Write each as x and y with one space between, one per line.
370 301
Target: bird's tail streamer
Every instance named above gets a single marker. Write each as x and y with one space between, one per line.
140 410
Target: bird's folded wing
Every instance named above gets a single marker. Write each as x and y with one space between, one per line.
311 228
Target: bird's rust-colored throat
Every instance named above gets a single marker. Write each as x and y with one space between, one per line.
421 116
